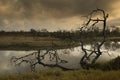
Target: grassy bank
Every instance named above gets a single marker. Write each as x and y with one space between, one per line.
65 75
35 43
32 43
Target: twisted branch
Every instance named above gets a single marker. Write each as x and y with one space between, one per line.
96 50
39 57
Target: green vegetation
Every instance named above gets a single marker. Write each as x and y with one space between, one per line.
111 65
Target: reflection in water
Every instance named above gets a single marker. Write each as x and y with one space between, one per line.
71 55
112 45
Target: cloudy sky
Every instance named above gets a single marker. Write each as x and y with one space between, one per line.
53 14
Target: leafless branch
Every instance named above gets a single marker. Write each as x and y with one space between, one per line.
85 61
38 58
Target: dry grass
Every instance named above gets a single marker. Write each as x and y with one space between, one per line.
24 43
65 75
33 43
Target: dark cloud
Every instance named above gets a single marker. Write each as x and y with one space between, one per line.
19 11
51 8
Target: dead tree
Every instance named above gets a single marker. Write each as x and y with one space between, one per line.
91 55
39 56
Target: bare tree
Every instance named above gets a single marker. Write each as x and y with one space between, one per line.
39 57
92 54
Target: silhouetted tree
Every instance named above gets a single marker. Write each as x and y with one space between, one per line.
92 54
39 57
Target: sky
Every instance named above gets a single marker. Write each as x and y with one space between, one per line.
53 14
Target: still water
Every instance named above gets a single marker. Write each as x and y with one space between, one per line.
73 57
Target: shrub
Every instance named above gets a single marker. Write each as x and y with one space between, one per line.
113 64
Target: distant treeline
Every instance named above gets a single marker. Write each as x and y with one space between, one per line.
62 33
